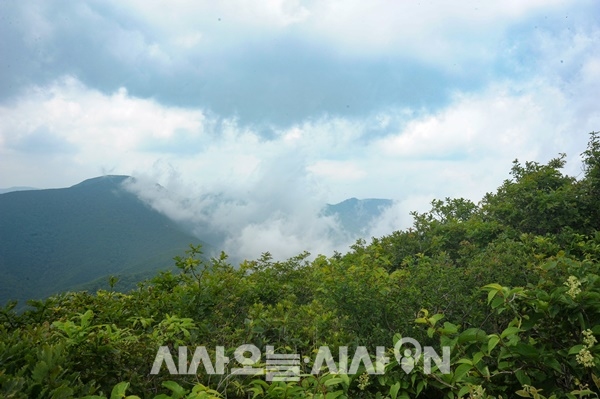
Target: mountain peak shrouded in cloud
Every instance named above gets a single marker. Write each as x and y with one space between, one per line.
357 216
276 108
247 224
103 181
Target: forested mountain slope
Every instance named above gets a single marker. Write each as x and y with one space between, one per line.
53 240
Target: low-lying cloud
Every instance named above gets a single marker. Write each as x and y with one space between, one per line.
280 212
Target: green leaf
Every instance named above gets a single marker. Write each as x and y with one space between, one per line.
526 350
575 349
472 335
177 390
523 377
199 388
582 392
497 302
333 395
118 392
509 331
477 357
62 392
420 387
261 383
86 317
461 371
394 390
463 391
40 371
505 365
493 286
333 381
555 364
345 378
435 318
449 328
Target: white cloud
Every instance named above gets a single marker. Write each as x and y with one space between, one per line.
223 17
435 30
189 40
266 193
107 130
337 170
464 150
492 123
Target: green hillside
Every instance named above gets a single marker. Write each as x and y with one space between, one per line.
54 240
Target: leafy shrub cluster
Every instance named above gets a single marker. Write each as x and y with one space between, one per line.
511 285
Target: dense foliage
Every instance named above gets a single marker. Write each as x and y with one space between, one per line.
511 285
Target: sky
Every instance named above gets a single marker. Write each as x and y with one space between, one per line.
253 114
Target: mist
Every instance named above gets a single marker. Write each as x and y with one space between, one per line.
278 210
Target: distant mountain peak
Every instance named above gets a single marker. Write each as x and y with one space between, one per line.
103 180
348 201
355 214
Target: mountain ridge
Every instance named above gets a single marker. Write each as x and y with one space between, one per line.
70 236
16 188
52 240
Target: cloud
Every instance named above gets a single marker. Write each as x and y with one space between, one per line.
42 141
279 211
337 170
258 195
99 130
253 116
277 62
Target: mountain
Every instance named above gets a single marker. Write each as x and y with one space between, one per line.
53 240
74 238
355 215
19 188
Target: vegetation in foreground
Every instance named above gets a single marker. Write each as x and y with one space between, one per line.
511 285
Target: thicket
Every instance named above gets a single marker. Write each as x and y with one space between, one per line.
511 285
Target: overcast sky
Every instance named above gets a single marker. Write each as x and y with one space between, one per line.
291 104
